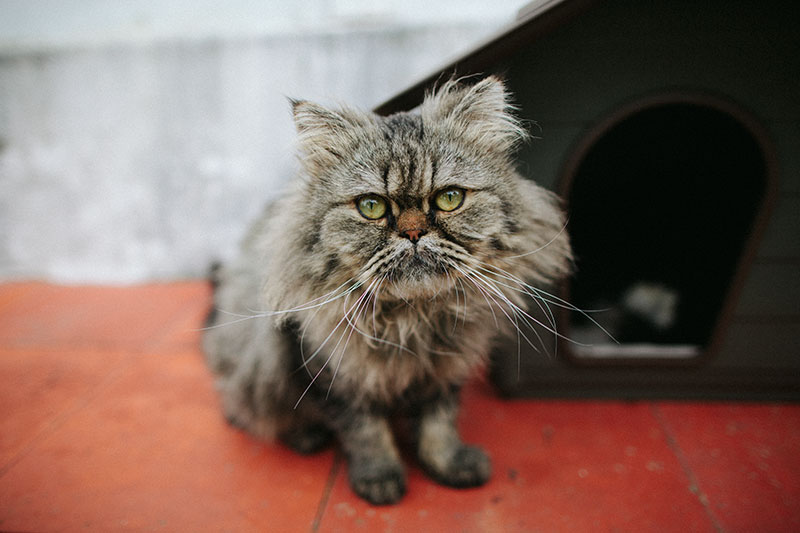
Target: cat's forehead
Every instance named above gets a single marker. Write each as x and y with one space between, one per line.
406 159
407 179
417 160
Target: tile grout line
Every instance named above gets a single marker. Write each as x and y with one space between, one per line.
326 493
694 484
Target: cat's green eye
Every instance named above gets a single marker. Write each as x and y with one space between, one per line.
450 199
371 207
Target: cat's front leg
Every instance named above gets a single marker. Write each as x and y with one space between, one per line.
442 453
374 467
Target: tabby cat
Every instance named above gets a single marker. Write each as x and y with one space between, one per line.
374 286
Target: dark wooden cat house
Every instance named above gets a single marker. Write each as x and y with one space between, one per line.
672 131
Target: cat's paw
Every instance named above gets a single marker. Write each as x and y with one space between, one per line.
468 467
378 484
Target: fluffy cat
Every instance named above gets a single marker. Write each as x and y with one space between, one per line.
375 285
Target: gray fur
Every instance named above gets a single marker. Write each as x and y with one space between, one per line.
329 321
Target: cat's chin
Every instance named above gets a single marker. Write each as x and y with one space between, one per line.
418 275
409 289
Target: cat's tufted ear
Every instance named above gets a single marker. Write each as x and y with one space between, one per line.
324 134
480 113
314 118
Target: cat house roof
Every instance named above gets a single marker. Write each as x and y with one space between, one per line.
534 20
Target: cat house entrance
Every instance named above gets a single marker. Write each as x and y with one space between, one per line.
661 204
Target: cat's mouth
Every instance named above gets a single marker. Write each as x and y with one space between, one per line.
418 271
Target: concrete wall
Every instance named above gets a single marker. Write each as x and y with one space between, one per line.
137 139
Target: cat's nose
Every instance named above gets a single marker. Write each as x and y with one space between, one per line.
413 234
412 224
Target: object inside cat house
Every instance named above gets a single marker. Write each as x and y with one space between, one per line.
658 227
674 148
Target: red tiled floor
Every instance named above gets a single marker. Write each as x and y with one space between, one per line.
558 466
135 318
746 459
110 422
41 388
151 451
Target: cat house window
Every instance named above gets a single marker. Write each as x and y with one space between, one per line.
661 202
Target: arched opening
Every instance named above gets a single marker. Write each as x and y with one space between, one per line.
661 206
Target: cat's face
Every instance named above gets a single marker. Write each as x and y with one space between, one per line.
411 201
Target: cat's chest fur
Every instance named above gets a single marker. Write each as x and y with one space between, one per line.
397 346
374 286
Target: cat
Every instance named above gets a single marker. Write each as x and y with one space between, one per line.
375 285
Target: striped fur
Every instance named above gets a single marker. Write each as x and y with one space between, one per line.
329 322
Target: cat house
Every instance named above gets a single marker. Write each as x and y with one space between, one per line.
671 129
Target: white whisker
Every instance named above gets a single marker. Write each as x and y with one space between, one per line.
324 342
362 301
518 312
545 297
515 309
542 247
327 298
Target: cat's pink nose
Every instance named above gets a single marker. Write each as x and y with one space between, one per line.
412 224
413 234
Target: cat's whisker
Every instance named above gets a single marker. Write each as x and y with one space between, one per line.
362 302
517 311
325 341
301 342
354 327
243 318
517 316
524 313
327 298
559 302
309 305
399 347
523 288
545 297
315 302
464 292
375 338
481 291
322 345
446 353
375 305
542 247
457 283
545 326
489 292
529 289
316 310
455 291
253 314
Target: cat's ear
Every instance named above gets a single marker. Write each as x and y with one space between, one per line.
480 113
323 134
311 118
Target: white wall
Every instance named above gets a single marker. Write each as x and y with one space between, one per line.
138 138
